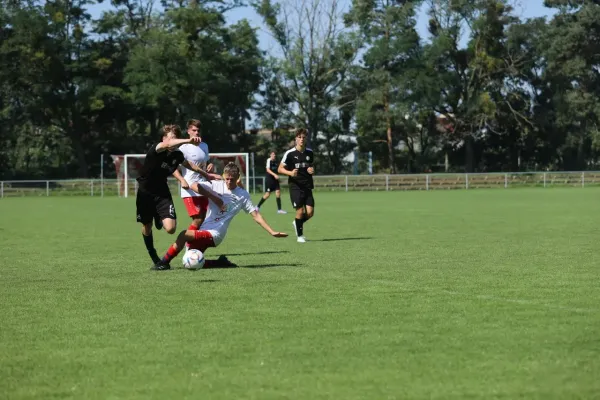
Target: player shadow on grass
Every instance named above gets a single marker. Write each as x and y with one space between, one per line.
258 252
340 239
266 265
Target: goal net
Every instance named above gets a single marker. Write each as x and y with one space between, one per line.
129 165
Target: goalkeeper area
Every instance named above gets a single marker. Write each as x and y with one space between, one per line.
129 165
445 294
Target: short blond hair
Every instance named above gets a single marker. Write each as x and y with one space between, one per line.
231 169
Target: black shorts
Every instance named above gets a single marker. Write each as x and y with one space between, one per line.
301 197
271 184
149 205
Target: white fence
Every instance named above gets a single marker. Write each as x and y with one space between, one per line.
87 187
112 187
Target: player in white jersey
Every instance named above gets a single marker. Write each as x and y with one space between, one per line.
227 200
196 204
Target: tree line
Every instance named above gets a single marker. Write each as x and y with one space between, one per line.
484 90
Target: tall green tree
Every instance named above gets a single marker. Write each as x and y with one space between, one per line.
573 74
467 73
312 63
392 54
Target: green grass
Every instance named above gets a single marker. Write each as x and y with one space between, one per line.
484 294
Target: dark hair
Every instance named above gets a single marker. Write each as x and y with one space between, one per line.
194 122
301 132
231 169
171 128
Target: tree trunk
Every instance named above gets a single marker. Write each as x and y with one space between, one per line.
581 154
390 144
446 161
469 153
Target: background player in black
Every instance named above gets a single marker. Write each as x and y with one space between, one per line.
297 163
153 200
272 183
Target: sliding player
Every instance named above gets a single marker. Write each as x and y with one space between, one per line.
227 200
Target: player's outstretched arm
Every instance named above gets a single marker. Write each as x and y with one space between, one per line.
198 169
261 221
175 143
208 193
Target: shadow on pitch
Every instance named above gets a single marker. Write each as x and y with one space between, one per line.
257 253
266 265
339 239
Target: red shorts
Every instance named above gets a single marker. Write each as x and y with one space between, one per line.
196 205
202 241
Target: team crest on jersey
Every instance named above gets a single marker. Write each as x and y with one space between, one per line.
307 158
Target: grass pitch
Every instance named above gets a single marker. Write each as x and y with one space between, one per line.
413 295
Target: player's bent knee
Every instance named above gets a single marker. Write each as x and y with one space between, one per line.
169 225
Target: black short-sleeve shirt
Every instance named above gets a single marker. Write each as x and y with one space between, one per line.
301 160
157 168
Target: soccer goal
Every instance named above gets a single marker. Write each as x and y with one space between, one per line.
129 165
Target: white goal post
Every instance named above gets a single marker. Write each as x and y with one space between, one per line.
128 165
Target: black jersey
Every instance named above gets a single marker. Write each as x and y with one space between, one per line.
301 160
272 165
157 168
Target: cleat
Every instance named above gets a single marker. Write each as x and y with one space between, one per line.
301 239
160 266
281 212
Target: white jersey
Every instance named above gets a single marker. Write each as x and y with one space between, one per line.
217 221
195 154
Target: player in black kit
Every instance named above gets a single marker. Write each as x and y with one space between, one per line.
297 163
153 200
272 183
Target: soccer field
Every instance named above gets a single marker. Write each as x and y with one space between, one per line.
397 295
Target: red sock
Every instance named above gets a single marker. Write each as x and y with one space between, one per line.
171 253
192 227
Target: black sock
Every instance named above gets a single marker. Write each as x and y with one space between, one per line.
149 242
304 218
278 203
260 203
299 226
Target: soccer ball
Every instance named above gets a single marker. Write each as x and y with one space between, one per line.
193 259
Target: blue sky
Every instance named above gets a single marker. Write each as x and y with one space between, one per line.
527 9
